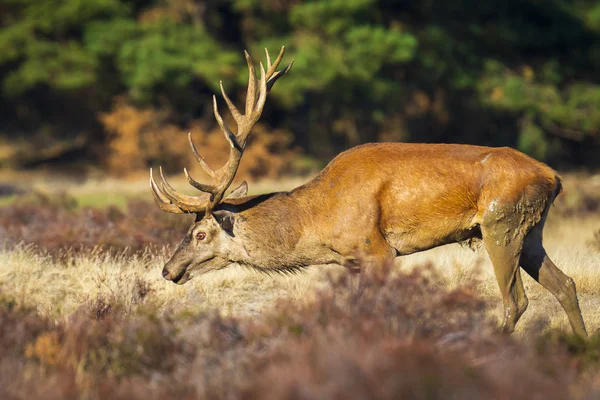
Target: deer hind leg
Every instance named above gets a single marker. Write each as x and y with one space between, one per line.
535 261
503 232
505 260
522 301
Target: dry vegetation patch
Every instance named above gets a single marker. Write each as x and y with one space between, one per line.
425 343
56 225
84 313
143 137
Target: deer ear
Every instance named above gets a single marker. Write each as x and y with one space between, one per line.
226 220
240 191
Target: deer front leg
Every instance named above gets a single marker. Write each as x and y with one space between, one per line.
376 253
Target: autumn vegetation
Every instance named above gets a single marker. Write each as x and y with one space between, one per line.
93 93
406 337
84 313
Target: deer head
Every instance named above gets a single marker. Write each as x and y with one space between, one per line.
209 242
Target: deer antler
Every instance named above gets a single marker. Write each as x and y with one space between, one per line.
168 199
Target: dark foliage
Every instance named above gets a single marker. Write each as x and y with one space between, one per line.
521 73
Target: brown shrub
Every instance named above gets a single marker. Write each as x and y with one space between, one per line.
58 227
581 195
18 328
403 338
140 138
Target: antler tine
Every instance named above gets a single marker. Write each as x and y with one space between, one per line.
272 67
278 75
199 158
262 90
185 203
269 59
251 94
229 135
166 185
237 116
251 118
198 185
161 200
179 203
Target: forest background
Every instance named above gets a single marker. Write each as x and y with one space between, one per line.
114 86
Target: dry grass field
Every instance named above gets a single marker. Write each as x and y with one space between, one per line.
85 313
56 288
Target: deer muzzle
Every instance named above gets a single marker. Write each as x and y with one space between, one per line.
176 273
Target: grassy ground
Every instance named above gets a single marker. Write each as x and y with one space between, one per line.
56 284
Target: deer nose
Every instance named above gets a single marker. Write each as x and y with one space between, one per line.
166 275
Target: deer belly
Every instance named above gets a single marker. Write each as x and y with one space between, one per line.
408 241
418 220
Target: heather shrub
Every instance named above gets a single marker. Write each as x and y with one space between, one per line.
401 336
56 225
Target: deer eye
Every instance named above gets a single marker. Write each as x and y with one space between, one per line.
200 235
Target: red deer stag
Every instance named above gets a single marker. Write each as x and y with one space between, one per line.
370 204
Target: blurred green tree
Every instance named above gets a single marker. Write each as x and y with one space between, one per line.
514 72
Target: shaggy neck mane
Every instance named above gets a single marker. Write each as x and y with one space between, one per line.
244 203
277 269
269 227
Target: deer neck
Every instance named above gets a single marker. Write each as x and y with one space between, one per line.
268 230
